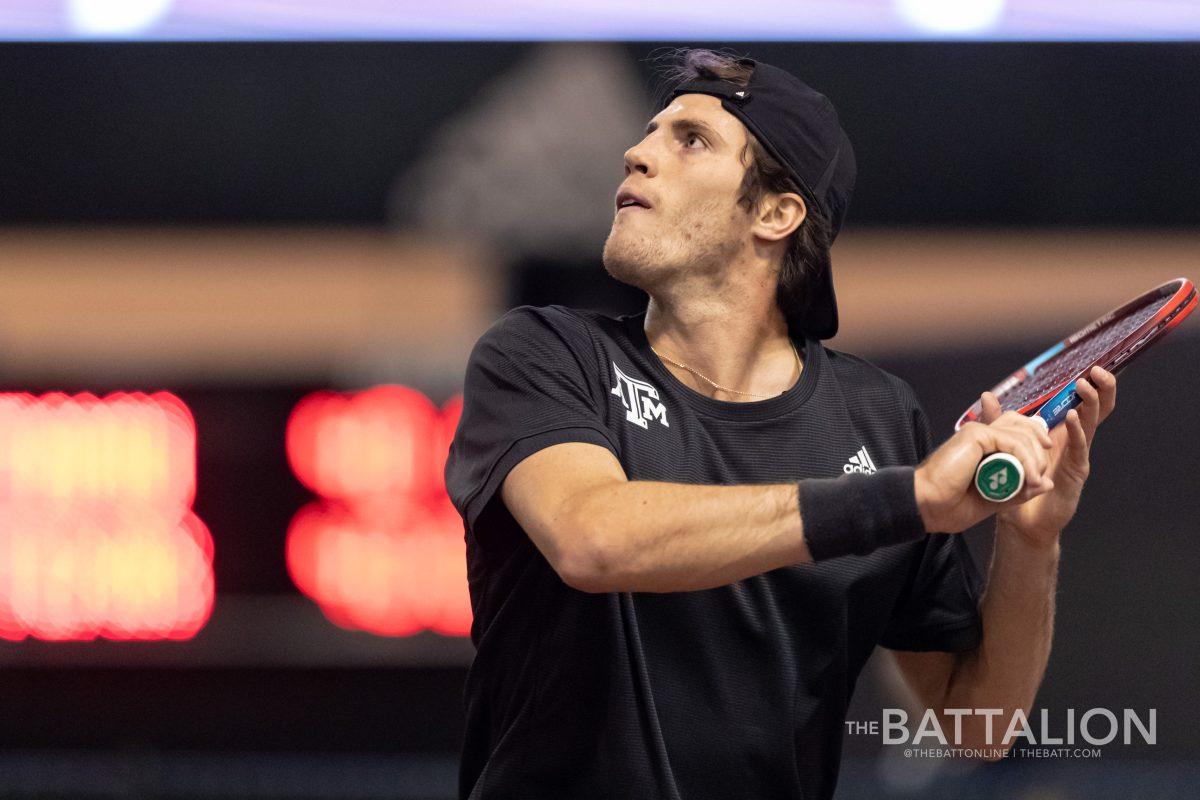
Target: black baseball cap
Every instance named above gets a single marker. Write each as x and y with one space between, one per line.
799 127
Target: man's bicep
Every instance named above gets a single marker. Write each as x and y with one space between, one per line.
542 493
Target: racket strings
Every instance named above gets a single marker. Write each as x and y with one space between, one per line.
1067 364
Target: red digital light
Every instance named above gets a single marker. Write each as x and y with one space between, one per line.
102 570
374 442
393 573
384 551
96 534
126 447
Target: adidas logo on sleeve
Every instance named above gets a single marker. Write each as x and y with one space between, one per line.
859 462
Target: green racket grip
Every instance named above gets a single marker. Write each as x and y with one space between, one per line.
999 476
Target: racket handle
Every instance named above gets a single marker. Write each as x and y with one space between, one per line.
999 477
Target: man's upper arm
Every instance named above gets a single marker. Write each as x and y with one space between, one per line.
529 386
542 493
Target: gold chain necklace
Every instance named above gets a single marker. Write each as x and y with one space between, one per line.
716 385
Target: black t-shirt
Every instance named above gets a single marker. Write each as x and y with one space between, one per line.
733 692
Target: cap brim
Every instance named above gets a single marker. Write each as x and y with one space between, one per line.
820 312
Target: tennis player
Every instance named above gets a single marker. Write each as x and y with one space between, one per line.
688 528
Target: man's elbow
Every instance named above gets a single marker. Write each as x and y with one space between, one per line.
973 741
593 562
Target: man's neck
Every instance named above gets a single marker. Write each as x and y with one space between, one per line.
738 346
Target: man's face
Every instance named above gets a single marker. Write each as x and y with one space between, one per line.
689 169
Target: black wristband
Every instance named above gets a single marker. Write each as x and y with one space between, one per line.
857 514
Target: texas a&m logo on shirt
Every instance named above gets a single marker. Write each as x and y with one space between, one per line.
640 400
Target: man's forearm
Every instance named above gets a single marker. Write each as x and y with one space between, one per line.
648 536
1018 626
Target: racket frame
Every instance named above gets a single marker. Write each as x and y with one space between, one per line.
1052 406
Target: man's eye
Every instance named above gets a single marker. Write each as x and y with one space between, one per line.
695 136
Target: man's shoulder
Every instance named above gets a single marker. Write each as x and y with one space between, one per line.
860 376
553 336
575 327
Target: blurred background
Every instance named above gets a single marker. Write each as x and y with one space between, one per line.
245 250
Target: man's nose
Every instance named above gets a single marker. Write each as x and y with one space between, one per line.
636 158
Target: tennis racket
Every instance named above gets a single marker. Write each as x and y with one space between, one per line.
1045 387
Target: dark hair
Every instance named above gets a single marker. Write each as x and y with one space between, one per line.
808 247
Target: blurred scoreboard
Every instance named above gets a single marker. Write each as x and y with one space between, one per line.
326 512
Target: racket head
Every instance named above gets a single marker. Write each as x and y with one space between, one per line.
1046 385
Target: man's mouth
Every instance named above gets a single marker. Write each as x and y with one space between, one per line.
628 199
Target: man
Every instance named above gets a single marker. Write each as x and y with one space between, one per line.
688 528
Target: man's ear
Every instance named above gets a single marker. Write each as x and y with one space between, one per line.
779 215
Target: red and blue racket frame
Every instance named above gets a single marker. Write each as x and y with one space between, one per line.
1046 385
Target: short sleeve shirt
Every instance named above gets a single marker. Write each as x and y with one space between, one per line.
731 692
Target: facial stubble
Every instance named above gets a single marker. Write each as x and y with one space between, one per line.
704 243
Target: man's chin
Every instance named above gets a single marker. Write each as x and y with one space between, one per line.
631 265
632 271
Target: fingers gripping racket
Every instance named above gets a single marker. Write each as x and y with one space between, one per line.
1045 387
